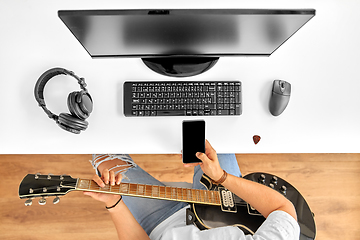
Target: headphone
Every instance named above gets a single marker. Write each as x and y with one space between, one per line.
79 102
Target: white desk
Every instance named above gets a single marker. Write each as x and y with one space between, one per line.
321 61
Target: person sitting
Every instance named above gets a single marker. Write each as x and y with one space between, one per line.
145 218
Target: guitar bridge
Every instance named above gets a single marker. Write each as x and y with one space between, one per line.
227 200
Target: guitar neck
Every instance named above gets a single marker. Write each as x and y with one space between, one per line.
153 191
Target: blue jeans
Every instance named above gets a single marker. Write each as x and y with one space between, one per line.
151 212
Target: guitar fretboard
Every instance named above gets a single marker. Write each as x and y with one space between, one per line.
154 191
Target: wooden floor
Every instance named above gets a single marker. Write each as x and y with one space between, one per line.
329 182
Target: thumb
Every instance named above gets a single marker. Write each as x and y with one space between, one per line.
202 157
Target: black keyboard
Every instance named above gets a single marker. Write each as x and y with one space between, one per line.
173 98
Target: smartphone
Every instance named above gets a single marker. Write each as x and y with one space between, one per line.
193 140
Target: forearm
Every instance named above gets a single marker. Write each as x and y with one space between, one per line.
126 225
262 198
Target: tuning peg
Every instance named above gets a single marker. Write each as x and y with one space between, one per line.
262 178
49 176
42 201
28 202
274 180
37 175
56 200
283 190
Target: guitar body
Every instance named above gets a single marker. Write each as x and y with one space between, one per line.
247 218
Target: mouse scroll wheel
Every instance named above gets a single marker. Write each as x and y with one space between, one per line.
282 86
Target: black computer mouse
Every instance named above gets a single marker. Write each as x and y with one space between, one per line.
280 97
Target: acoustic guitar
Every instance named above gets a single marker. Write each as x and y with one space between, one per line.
215 207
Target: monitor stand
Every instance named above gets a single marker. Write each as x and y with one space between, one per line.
180 66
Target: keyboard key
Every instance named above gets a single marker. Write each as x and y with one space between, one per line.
223 112
210 106
237 97
238 109
171 113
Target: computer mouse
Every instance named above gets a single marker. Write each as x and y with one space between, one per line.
280 97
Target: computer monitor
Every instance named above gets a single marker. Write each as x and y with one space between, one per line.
183 42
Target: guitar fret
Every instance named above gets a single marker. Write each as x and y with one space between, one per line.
148 191
155 191
124 188
179 193
173 193
162 192
133 188
168 192
94 186
140 190
193 195
184 194
84 184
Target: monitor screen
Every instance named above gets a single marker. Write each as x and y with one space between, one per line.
182 32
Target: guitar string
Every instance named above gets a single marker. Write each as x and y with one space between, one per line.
200 194
172 192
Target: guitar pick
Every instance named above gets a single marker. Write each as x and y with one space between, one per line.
256 139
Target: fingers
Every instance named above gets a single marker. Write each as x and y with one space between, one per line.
118 179
209 150
202 157
191 164
98 180
106 175
110 178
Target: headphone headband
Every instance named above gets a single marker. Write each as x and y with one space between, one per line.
44 78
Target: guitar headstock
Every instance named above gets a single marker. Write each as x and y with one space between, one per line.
37 185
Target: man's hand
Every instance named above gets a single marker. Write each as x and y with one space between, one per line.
209 162
107 177
126 225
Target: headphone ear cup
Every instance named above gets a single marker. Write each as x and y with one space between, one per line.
74 106
85 102
66 128
71 123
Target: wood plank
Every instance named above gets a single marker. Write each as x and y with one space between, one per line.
329 182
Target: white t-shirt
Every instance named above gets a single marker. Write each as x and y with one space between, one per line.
279 225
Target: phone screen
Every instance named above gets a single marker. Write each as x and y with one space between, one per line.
193 140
